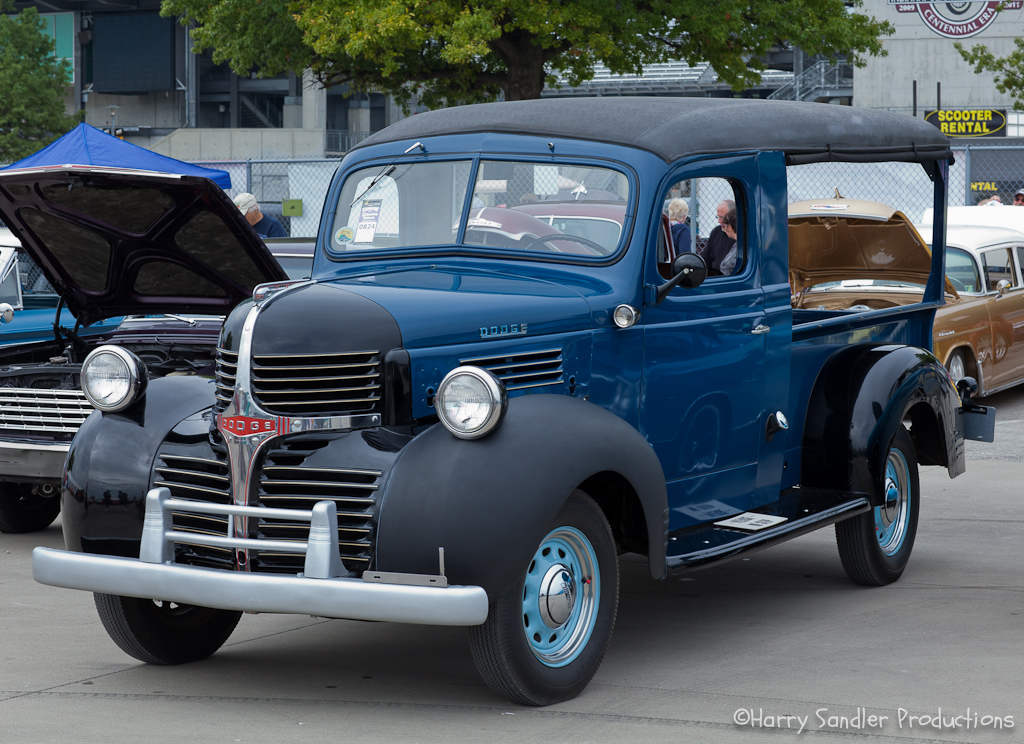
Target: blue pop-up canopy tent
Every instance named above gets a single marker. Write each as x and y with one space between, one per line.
86 145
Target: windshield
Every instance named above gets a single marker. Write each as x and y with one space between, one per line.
549 209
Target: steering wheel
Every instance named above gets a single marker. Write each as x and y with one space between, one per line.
958 285
595 247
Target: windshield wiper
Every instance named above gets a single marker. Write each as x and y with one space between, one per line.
386 170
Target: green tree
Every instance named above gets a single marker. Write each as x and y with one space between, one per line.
452 51
1009 70
33 84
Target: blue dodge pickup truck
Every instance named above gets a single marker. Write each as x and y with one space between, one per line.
503 373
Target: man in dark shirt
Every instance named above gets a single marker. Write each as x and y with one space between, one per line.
266 227
719 244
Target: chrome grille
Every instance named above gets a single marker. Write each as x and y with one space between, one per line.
317 384
43 411
285 483
199 479
227 370
525 370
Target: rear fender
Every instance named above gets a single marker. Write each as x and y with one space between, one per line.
489 502
860 397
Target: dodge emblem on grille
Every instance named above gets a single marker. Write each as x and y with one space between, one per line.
244 426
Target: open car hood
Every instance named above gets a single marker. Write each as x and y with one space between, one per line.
836 239
122 242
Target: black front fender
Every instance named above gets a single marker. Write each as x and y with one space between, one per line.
107 472
860 397
489 502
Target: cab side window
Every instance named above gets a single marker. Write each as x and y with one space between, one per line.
998 266
1019 252
705 217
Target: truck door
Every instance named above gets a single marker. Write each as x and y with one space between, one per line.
704 352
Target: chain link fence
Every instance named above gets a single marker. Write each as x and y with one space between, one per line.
293 191
290 191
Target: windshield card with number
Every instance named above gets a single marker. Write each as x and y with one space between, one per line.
369 213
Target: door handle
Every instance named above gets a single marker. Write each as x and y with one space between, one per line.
760 328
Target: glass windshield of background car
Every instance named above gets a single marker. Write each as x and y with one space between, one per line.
962 271
543 208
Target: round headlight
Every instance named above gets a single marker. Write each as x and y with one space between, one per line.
470 402
113 378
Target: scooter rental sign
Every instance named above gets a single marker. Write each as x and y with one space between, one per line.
955 19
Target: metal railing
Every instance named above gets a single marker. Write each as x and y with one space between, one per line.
343 140
820 80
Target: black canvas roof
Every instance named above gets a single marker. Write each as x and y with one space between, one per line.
674 127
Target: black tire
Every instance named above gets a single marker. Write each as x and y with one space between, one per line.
164 633
521 651
875 546
23 511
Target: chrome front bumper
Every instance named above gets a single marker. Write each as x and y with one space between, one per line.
319 590
23 460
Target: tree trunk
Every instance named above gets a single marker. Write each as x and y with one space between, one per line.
525 63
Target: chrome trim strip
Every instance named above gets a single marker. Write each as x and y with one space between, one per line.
536 384
508 377
341 501
314 356
205 460
343 471
319 484
195 474
266 380
481 361
352 599
191 487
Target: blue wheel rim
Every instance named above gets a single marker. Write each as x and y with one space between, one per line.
561 595
893 516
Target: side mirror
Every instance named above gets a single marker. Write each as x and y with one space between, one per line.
6 312
688 270
1002 286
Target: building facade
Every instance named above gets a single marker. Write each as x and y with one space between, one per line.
922 57
135 73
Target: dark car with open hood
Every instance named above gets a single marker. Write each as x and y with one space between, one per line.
170 253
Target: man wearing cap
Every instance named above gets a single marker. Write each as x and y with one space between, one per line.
266 227
1018 198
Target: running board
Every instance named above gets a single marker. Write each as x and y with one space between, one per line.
805 510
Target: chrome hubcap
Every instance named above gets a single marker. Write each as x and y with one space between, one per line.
561 596
892 516
956 368
557 596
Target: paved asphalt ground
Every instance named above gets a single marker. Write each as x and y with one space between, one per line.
753 651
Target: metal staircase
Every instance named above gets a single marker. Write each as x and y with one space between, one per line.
258 110
820 82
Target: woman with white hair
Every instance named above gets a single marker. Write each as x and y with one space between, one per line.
678 210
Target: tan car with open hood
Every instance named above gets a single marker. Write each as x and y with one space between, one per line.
855 255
